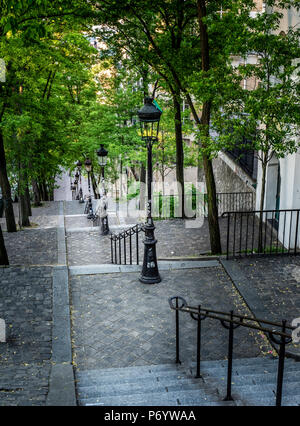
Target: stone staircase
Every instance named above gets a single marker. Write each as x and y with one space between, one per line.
253 383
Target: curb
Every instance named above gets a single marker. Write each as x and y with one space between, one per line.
62 381
162 265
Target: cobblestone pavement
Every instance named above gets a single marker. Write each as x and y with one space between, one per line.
119 322
46 216
173 240
275 281
48 208
26 306
32 247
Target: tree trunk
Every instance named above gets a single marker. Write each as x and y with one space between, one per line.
213 220
143 187
23 198
24 211
45 191
6 190
179 151
263 182
3 253
28 201
200 173
262 201
36 193
41 191
94 185
135 174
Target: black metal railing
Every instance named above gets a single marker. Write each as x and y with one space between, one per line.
231 321
169 205
262 232
125 246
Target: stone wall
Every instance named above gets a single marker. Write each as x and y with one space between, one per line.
227 180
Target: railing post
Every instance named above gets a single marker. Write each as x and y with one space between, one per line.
177 333
111 248
137 245
227 243
280 367
296 233
230 352
198 343
130 247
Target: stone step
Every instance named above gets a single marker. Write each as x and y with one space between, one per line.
137 371
265 389
254 361
254 382
206 364
114 375
258 379
264 401
259 361
174 398
138 388
170 377
246 370
122 379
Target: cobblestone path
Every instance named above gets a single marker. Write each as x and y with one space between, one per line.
26 306
273 284
119 322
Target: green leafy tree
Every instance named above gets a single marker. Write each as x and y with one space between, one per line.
267 115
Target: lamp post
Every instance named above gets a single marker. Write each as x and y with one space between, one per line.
88 168
102 160
76 182
149 117
79 166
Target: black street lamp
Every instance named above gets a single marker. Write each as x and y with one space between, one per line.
149 117
79 166
76 183
102 160
80 195
88 168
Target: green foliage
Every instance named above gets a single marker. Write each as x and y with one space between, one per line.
43 82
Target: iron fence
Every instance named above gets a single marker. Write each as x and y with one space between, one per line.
125 246
262 232
278 334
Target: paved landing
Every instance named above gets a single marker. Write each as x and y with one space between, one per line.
119 322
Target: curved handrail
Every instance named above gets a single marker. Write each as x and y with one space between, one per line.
127 232
222 316
231 321
119 243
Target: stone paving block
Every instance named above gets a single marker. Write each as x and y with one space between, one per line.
32 247
136 326
270 286
25 359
